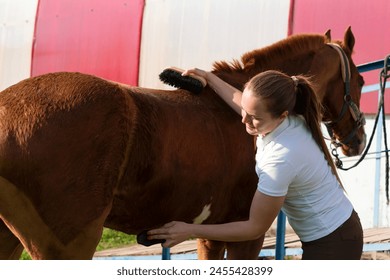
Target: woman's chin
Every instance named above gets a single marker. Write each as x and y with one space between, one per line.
251 131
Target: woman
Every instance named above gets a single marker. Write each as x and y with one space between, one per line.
295 169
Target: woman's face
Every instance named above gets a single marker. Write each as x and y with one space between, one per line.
257 119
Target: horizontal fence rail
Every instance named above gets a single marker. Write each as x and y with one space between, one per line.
378 64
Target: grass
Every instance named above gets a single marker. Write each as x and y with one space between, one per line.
110 239
114 239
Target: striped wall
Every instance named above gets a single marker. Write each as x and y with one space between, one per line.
132 41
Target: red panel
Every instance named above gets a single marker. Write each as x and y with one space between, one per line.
98 37
369 21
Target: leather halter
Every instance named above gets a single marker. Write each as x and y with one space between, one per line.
357 115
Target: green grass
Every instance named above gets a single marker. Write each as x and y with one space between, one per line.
114 239
110 239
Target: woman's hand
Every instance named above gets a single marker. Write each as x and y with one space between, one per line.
173 232
197 72
228 93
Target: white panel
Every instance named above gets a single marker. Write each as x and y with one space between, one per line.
360 182
17 21
195 33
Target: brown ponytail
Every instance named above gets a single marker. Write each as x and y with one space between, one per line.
297 96
308 105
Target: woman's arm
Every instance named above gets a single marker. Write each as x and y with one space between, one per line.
263 212
228 93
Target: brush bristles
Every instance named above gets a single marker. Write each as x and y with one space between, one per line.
142 238
173 77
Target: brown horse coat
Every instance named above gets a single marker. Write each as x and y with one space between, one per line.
78 153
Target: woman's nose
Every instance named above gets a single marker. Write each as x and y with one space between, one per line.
244 118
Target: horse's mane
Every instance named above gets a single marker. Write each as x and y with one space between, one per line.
253 60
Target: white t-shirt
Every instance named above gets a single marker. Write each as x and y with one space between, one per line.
290 163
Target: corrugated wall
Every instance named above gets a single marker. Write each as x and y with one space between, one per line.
197 33
369 21
97 37
131 41
17 22
103 38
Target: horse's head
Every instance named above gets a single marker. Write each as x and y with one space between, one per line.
340 84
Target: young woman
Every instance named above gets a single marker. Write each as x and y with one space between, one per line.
295 169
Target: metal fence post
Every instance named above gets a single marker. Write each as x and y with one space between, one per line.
280 250
166 254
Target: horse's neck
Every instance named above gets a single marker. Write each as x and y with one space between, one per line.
292 65
236 80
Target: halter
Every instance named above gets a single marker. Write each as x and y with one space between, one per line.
357 115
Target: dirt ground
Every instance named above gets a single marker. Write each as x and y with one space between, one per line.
376 256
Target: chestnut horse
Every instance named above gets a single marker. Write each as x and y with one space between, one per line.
78 153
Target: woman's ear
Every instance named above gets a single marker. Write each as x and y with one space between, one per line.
283 115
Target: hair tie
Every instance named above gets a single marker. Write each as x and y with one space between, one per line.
296 80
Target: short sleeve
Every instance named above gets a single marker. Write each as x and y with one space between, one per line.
275 174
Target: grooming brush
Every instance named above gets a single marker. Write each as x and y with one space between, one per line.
142 238
173 76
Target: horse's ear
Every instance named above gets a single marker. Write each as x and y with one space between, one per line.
349 39
328 37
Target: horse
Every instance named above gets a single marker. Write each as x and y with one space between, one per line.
79 153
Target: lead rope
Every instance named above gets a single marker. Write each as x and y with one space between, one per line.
382 81
384 75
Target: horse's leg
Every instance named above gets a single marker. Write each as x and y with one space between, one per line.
23 221
10 246
248 250
84 245
210 250
20 216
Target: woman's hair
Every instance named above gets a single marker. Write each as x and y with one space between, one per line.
296 95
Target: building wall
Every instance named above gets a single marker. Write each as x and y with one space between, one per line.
196 33
96 37
17 23
367 19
